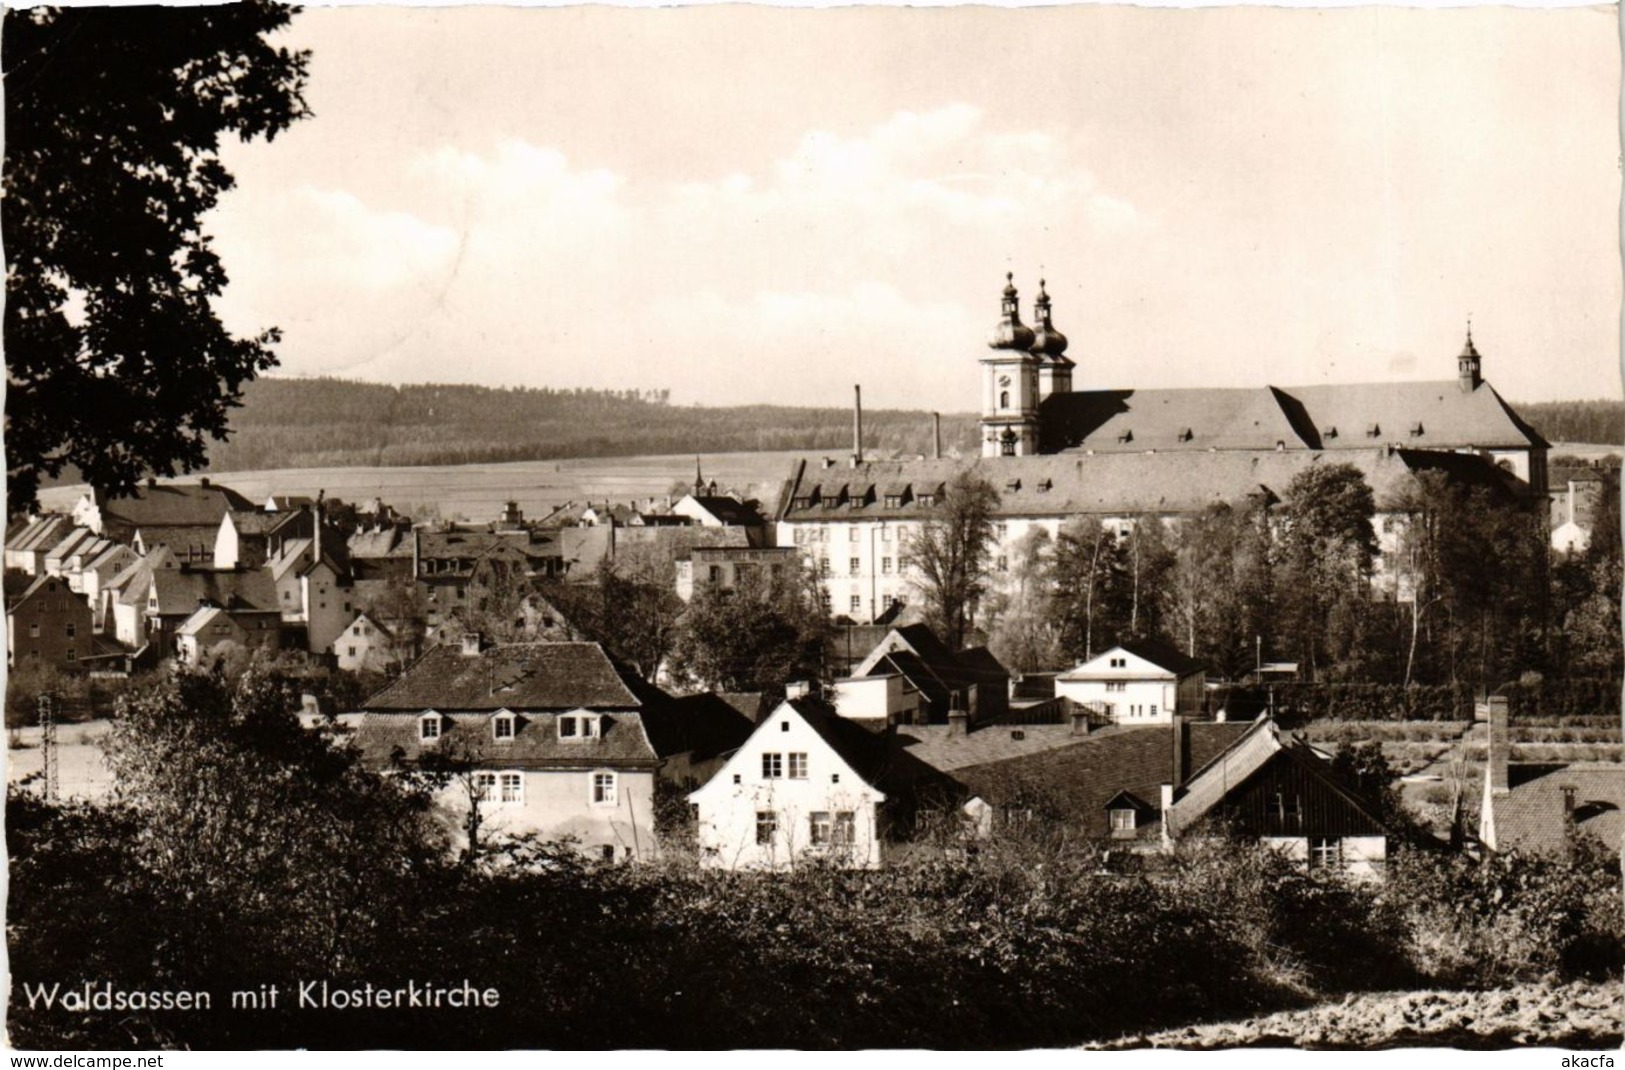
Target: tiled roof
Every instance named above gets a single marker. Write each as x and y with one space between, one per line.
748 703
41 533
387 543
1108 484
176 505
621 743
185 540
934 746
1156 652
180 590
255 522
1429 415
1530 818
517 676
1193 418
1082 777
730 511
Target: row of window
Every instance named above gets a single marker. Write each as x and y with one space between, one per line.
824 828
508 788
854 533
572 728
773 765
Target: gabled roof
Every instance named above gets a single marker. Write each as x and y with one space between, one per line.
385 736
71 543
729 511
254 522
865 751
1080 778
516 676
181 590
176 505
1186 418
1531 817
1448 417
936 746
706 726
201 619
385 543
43 582
187 540
1165 657
40 533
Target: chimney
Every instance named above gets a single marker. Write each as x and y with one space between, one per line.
797 689
1167 822
1080 721
958 722
471 644
936 436
1180 757
1568 807
316 539
417 554
857 425
152 481
1495 761
203 481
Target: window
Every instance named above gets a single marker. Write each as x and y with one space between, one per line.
1119 663
823 566
429 726
784 726
1116 685
1122 822
1153 709
819 827
485 786
1004 399
33 630
1325 852
767 824
854 566
885 564
714 574
857 603
1002 564
350 648
772 766
607 852
894 501
853 535
578 728
1000 531
71 629
603 789
798 765
502 726
885 533
845 829
1007 446
513 788
72 654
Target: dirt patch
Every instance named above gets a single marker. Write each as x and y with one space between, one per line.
1579 1016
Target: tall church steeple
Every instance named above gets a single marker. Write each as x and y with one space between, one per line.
1049 346
1010 383
1469 366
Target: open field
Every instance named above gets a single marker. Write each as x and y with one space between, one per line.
82 773
1536 1015
477 491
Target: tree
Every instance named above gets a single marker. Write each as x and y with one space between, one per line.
948 556
276 852
767 630
116 362
1327 545
630 606
1090 585
1023 636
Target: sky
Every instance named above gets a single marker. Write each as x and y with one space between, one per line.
769 205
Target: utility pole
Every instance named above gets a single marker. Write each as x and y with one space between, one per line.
47 742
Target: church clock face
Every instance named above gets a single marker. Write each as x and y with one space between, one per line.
1004 380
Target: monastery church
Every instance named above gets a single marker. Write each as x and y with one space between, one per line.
1055 453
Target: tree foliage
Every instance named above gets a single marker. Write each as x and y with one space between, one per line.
116 362
766 631
948 555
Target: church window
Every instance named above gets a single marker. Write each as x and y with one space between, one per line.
1004 399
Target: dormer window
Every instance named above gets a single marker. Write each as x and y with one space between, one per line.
1126 436
429 727
1373 430
894 501
1416 429
1044 485
1012 486
1186 435
576 727
502 727
803 502
1122 823
1329 431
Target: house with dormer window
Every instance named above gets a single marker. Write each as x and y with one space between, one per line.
560 740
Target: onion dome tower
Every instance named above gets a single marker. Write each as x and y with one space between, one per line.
1010 383
1049 346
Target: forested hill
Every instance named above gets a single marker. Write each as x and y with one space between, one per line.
321 423
1598 422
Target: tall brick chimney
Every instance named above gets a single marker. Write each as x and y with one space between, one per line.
1495 761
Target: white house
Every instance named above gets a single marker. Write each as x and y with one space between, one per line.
364 644
1137 682
800 790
